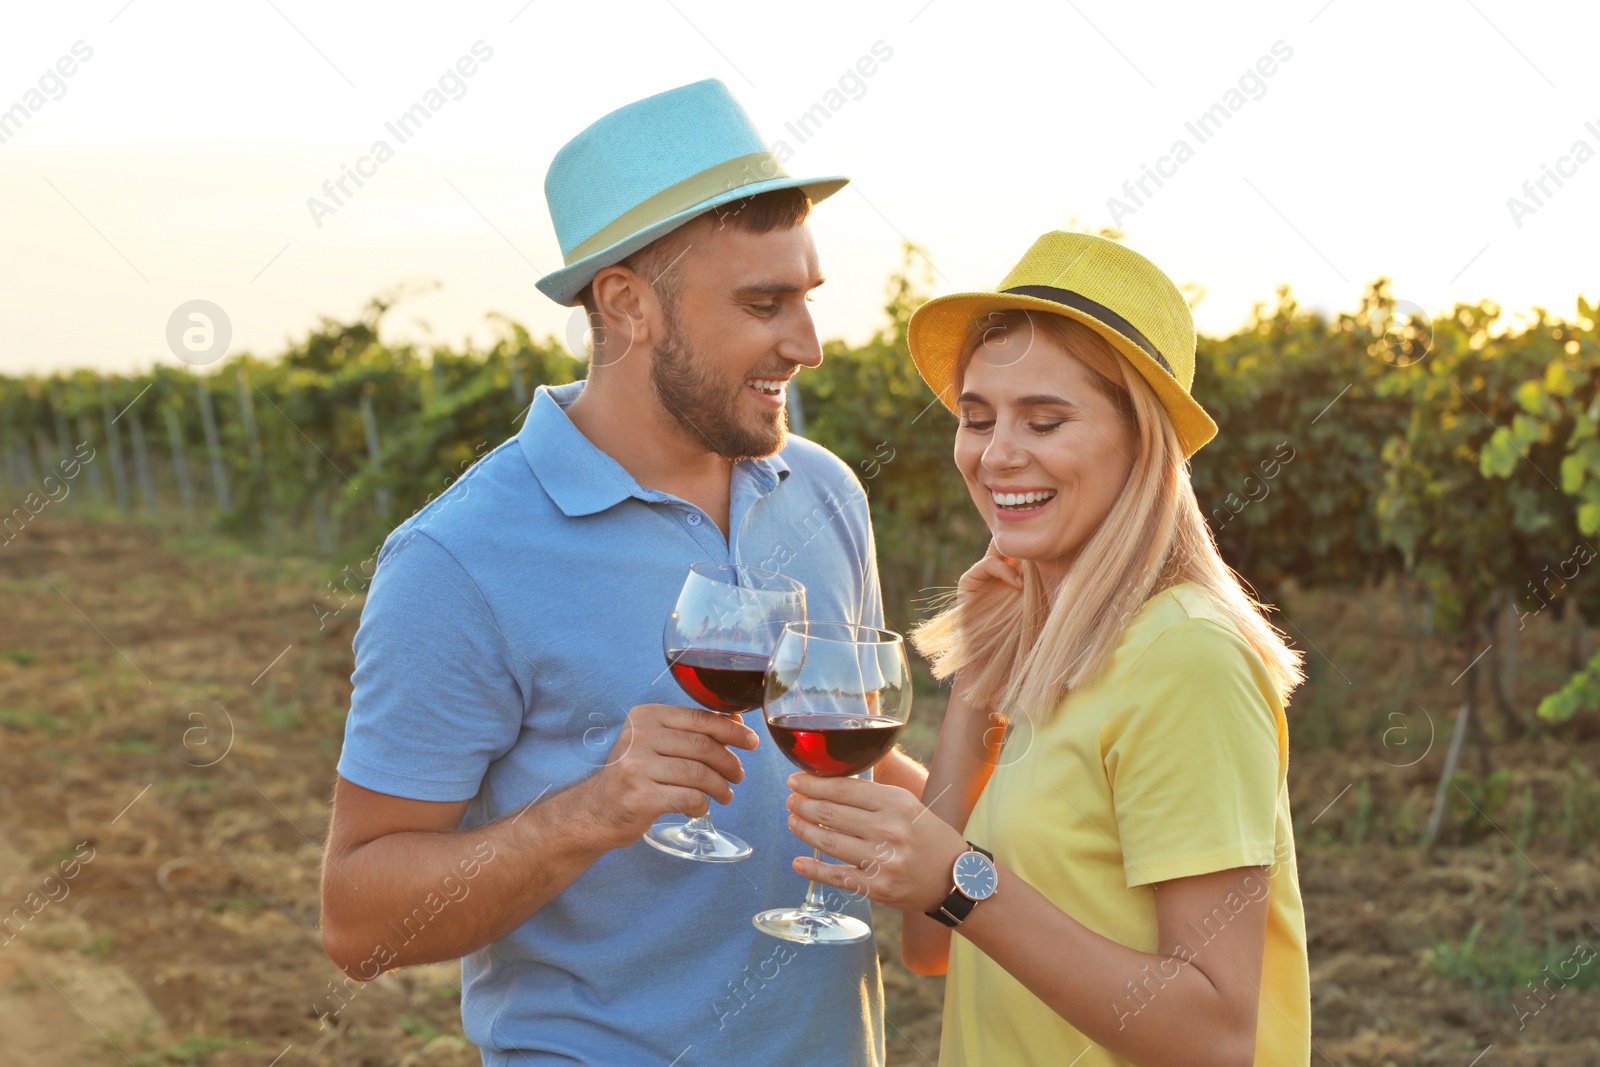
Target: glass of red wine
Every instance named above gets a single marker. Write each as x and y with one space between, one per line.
718 640
837 696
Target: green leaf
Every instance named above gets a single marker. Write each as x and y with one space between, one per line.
1530 397
1573 469
1558 378
1526 431
1498 458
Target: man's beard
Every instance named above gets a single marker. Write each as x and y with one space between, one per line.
704 406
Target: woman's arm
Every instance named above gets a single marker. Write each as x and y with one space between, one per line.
1188 1004
1191 1003
969 744
968 749
899 769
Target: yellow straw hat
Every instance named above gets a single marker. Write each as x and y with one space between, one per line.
1109 288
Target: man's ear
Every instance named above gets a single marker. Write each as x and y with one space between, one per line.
627 313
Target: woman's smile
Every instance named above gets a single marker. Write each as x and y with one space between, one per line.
1014 503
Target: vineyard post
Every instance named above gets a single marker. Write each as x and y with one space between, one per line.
1508 668
319 506
319 515
141 464
208 419
180 464
15 474
797 415
25 466
370 421
41 445
1452 759
1450 762
1577 645
58 408
97 486
519 388
258 467
1408 612
119 472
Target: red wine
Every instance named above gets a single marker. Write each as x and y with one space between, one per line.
726 682
834 746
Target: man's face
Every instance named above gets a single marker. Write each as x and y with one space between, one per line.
738 331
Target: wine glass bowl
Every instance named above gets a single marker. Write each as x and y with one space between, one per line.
837 697
718 640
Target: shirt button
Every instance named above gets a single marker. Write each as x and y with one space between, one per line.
694 518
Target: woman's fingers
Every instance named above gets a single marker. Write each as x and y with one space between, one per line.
841 817
866 826
889 847
839 876
856 792
853 821
1005 572
844 847
991 567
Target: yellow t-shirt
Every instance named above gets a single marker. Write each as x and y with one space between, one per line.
1173 763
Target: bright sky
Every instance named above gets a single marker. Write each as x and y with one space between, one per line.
176 160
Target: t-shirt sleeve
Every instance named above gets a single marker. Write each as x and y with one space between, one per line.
436 695
1195 759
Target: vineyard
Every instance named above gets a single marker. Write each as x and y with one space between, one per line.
1456 461
1419 497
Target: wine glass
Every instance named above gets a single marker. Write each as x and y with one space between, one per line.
837 696
718 639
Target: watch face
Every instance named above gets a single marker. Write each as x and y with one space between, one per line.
975 876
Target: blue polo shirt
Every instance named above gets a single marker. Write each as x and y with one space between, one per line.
510 626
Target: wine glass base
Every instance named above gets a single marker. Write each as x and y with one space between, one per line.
812 928
707 846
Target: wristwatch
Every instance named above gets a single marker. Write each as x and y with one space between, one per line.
975 879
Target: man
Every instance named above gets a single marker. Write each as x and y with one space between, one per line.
512 730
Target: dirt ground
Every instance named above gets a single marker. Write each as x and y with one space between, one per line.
169 722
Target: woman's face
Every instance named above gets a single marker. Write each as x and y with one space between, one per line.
1044 452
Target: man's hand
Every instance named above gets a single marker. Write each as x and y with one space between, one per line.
666 758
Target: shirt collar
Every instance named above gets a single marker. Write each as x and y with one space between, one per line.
583 480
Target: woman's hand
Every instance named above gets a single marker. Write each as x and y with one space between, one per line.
993 567
897 853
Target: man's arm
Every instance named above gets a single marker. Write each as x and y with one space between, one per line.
397 872
398 875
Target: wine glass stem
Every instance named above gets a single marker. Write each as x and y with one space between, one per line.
814 904
700 826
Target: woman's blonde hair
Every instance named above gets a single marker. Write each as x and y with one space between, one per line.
1018 652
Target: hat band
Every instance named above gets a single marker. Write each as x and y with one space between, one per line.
680 197
1079 302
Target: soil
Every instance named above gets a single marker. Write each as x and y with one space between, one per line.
172 710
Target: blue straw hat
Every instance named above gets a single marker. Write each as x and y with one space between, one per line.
648 168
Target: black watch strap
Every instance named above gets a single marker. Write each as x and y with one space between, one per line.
957 906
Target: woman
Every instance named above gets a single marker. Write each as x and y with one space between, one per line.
1141 905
